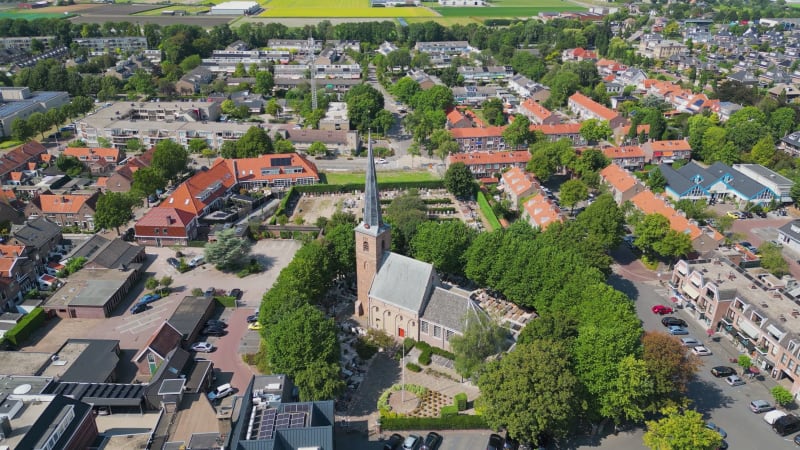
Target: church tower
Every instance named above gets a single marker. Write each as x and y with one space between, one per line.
373 237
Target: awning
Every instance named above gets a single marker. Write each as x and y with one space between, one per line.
691 291
775 331
749 329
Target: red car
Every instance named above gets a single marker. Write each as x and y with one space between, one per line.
661 309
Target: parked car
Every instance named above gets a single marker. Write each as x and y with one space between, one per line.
214 323
139 307
412 442
254 326
149 298
674 321
173 262
202 347
393 442
735 214
220 392
210 292
676 330
197 261
661 309
236 293
715 427
214 331
723 371
787 425
734 380
797 440
689 342
432 441
760 406
252 318
701 351
773 415
495 442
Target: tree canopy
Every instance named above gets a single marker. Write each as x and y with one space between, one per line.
443 244
114 209
228 252
459 180
170 159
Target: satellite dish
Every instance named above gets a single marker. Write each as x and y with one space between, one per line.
22 389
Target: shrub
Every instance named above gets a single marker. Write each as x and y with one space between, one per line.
449 411
365 349
408 344
413 367
197 292
460 401
425 357
25 327
226 301
458 422
383 400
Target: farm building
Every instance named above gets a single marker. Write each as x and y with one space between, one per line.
462 3
236 8
389 3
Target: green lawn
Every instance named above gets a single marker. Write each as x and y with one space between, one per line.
28 15
383 177
340 8
9 143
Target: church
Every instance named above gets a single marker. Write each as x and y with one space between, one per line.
397 294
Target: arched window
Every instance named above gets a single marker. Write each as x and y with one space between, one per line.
376 308
365 246
389 313
399 317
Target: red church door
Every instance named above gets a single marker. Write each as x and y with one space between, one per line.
401 332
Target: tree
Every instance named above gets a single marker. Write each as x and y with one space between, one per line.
694 209
151 284
674 244
114 209
763 152
405 213
650 231
745 127
317 148
632 390
405 89
21 130
481 338
414 150
681 431
443 244
264 82
459 180
518 134
670 366
319 381
656 180
254 143
782 121
782 396
339 233
197 145
166 281
301 338
69 165
493 111
363 103
772 259
170 159
603 221
147 180
531 391
133 145
383 122
228 252
39 123
284 146
594 131
572 192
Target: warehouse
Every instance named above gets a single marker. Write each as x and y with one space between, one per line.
236 8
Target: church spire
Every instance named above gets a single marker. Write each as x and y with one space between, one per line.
372 201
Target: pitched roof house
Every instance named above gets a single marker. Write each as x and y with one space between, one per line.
164 226
65 210
164 340
537 113
17 159
518 184
703 240
628 157
122 178
487 164
623 185
540 212
279 170
203 191
657 152
98 160
586 108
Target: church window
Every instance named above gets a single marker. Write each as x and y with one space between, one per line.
376 308
365 246
437 331
423 326
399 317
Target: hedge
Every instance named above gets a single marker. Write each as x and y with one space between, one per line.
437 201
449 411
486 209
413 367
424 346
285 201
459 422
26 326
425 357
460 401
226 301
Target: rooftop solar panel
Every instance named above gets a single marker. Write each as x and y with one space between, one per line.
280 162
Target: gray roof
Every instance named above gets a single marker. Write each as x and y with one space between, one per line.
190 313
36 232
110 254
676 181
740 182
767 173
95 364
447 309
372 202
792 230
403 282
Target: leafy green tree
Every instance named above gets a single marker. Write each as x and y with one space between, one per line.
363 103
437 98
603 222
151 284
264 82
763 152
782 121
674 244
594 131
782 396
339 233
70 165
147 180
481 338
745 127
629 396
532 377
228 252
650 231
319 381
772 259
383 122
459 180
572 192
518 134
197 145
405 213
443 244
681 431
671 367
656 180
284 146
166 281
39 123
493 111
254 143
114 209
317 148
170 159
698 124
133 145
694 209
301 338
405 89
22 130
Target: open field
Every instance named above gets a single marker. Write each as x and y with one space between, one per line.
510 8
383 177
343 8
187 8
30 14
444 21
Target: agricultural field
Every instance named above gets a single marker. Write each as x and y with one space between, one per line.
31 14
510 8
190 10
343 8
445 21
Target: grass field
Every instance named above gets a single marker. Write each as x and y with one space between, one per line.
445 21
510 8
189 10
342 8
383 177
29 14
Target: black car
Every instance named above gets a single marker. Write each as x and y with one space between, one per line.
787 425
511 444
761 214
797 439
432 441
236 293
252 318
139 307
394 442
214 323
495 442
214 331
723 371
173 262
673 321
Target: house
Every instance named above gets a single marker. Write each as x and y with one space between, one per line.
164 340
191 82
622 185
122 178
538 114
776 183
445 47
518 184
400 295
98 160
586 108
64 210
540 212
488 164
17 276
703 240
657 152
629 157
202 192
18 159
64 423
578 54
457 119
526 88
104 253
276 170
571 131
479 139
40 237
164 226
342 142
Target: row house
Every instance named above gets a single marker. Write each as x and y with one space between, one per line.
479 139
622 185
225 61
474 95
100 161
488 164
703 239
631 157
65 210
586 108
333 85
528 89
518 184
19 159
556 132
484 74
751 313
122 178
300 46
657 152
301 71
99 46
17 276
540 212
538 114
445 47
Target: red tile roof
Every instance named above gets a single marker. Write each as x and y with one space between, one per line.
558 129
86 154
618 177
466 133
629 151
670 146
591 105
166 217
202 189
536 109
518 181
510 157
262 168
18 157
648 203
60 204
542 211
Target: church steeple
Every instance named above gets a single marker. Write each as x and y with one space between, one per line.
372 201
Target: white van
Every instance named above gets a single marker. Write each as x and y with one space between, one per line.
197 261
773 415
